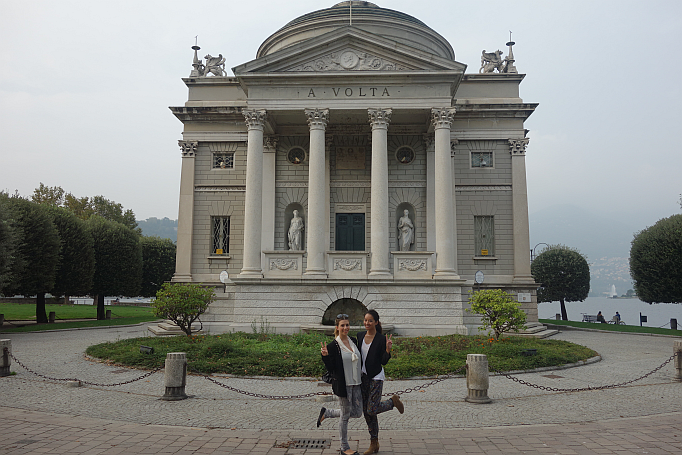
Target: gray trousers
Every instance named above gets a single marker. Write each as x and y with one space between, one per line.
351 406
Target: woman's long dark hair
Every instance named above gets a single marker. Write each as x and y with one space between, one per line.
375 316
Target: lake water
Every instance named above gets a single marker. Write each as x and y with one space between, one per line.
658 314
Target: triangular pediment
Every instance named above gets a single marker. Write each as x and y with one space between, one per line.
348 49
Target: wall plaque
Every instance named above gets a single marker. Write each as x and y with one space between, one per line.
350 157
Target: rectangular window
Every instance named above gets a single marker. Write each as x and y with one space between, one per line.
484 235
221 234
223 160
481 159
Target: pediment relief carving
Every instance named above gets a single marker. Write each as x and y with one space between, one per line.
349 60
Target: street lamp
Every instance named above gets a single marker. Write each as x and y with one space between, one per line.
532 252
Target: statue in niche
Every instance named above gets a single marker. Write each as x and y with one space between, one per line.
295 234
405 231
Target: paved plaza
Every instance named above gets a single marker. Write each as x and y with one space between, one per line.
43 416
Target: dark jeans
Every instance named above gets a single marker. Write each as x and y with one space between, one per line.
372 404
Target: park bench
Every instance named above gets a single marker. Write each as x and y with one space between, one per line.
589 317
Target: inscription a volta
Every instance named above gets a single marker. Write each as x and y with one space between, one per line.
349 92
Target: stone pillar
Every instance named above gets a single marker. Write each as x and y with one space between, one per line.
317 191
253 204
520 211
677 350
444 205
5 359
183 255
477 379
175 376
430 197
268 234
379 119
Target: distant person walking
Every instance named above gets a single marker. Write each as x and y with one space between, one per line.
342 359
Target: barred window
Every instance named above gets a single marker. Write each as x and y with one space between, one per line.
484 235
221 234
223 160
481 159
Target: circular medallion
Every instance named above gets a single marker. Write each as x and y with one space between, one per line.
224 276
375 64
479 277
296 155
404 155
349 60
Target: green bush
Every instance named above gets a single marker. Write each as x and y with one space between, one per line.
182 303
499 312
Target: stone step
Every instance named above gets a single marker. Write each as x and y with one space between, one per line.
168 328
541 334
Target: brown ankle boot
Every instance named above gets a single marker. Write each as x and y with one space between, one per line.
373 447
398 404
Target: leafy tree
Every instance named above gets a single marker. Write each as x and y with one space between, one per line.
499 312
118 260
182 303
48 195
35 268
77 254
9 239
158 264
564 275
79 206
656 261
164 228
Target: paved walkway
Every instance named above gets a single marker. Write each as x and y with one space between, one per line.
41 416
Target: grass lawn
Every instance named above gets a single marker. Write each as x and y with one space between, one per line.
613 327
120 315
299 355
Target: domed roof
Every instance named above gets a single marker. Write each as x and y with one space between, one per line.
384 22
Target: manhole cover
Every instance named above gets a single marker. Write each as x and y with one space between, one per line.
305 444
552 376
27 441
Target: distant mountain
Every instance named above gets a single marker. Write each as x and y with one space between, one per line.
164 228
605 241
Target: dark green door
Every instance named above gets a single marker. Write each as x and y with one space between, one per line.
350 232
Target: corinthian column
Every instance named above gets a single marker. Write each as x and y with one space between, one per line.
517 148
445 208
183 256
253 209
317 190
379 119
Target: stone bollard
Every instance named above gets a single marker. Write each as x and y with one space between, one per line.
477 378
677 350
52 316
175 376
5 359
107 315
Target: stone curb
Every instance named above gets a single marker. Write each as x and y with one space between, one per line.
569 328
88 328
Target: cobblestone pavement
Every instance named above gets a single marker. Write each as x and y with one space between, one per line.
645 417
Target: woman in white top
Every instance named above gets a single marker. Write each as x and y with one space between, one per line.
376 352
342 359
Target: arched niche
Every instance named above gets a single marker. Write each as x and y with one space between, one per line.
352 307
288 215
399 210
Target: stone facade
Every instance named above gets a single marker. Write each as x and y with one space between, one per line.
351 126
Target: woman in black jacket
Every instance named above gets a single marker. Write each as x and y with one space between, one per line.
376 351
342 359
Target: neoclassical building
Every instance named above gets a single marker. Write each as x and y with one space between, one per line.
354 164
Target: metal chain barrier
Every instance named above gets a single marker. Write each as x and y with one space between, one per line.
49 378
583 389
428 384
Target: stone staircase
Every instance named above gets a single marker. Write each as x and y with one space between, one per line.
168 328
535 330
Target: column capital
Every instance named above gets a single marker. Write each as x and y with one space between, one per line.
255 118
517 147
317 118
270 143
379 118
442 117
188 148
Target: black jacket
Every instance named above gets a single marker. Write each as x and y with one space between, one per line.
334 364
376 356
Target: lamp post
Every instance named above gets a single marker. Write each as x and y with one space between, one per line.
532 252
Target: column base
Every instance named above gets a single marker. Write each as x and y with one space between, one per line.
174 394
523 279
448 274
251 273
380 274
477 396
184 278
315 274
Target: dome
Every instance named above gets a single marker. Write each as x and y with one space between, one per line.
394 25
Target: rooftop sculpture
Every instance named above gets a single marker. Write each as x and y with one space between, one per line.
491 61
214 65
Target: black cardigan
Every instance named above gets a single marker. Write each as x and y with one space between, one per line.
334 364
376 356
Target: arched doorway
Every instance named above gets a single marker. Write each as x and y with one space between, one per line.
352 307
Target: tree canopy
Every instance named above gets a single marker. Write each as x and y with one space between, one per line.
9 239
656 261
563 274
158 257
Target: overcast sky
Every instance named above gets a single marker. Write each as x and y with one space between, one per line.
85 88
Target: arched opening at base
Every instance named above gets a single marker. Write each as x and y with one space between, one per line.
352 307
